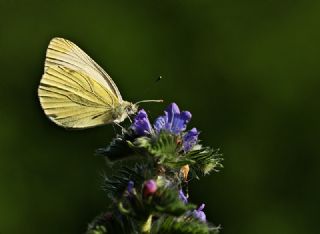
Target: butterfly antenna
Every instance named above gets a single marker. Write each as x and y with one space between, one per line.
148 101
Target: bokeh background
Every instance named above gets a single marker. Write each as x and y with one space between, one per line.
248 71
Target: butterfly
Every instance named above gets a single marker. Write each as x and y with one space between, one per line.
76 93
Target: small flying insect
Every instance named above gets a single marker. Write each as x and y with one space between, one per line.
159 78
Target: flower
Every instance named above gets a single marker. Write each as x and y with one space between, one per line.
183 197
199 214
190 139
141 124
173 121
130 186
149 187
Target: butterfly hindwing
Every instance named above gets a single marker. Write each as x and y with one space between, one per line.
72 99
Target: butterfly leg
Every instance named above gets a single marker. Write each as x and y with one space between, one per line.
123 130
114 129
128 115
129 119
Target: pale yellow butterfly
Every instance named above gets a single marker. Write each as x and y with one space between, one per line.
75 92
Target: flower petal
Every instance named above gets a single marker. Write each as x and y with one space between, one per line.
190 139
180 121
172 109
199 214
160 123
183 197
141 124
173 121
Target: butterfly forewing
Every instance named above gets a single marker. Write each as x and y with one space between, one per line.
62 52
73 99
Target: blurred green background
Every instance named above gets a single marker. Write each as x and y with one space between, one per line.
248 71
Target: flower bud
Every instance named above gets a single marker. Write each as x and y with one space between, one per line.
149 188
130 186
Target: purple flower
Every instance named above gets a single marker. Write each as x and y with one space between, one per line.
130 186
199 214
173 121
141 124
190 139
149 187
183 197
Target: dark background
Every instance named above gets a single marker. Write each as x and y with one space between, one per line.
247 70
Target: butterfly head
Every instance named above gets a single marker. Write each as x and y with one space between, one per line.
130 108
123 111
126 109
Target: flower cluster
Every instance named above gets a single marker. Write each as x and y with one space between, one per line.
151 196
173 121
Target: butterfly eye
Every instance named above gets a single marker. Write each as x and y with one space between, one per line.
131 109
128 109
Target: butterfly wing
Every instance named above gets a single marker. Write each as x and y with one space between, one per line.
62 52
72 99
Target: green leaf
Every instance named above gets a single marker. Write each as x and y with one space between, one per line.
118 148
113 223
160 146
204 160
182 225
167 201
116 184
99 229
164 149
